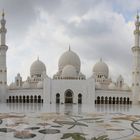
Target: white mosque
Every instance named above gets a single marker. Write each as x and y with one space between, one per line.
69 84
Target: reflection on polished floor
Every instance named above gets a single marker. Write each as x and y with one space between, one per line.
73 108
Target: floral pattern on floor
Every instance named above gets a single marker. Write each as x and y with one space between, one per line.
57 126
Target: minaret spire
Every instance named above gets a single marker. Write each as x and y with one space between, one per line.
137 15
137 30
3 30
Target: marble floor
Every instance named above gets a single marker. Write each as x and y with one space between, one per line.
70 122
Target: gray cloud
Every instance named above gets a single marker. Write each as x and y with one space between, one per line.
19 14
102 31
89 28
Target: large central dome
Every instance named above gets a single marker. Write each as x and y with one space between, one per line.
69 58
69 71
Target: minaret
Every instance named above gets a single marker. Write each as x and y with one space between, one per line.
136 63
3 67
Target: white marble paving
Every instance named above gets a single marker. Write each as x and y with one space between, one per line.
70 122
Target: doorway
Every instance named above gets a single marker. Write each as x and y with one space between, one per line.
57 98
69 96
79 98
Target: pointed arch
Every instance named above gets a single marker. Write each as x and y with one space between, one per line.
13 99
16 99
57 98
117 100
39 99
35 99
102 100
110 100
114 100
124 100
68 96
23 99
121 100
106 100
128 100
98 99
27 98
31 98
10 99
79 98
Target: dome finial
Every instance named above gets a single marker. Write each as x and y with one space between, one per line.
69 48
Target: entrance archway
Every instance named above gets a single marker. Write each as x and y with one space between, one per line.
79 98
69 96
57 98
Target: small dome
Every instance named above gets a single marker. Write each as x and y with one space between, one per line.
69 71
40 84
112 86
12 86
120 78
18 75
125 87
69 58
101 68
80 74
98 85
37 68
26 85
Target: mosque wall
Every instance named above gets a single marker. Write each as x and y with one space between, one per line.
113 96
25 92
25 96
47 89
84 87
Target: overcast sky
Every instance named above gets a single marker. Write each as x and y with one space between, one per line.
94 28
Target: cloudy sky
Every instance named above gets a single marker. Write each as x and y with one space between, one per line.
94 28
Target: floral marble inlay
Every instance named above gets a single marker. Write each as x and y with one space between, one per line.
57 126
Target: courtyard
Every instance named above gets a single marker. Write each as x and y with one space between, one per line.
69 121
